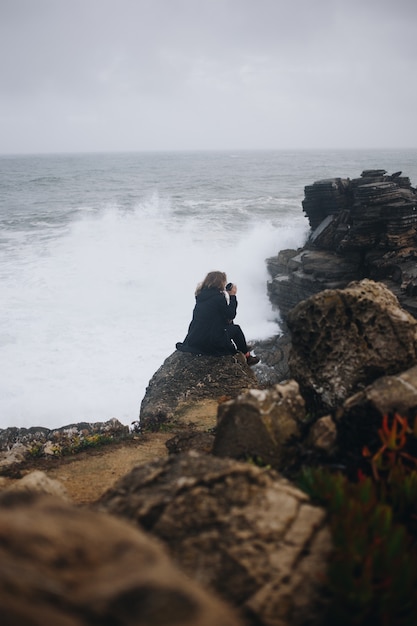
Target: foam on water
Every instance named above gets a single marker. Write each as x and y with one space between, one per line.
100 256
91 309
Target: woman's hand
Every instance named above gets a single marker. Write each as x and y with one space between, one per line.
233 290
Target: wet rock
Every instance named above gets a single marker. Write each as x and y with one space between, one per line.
184 379
273 352
360 228
242 531
260 425
68 566
344 339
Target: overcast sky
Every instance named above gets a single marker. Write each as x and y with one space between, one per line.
105 75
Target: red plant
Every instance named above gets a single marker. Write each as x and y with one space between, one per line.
394 439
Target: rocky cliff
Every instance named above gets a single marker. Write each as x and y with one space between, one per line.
360 228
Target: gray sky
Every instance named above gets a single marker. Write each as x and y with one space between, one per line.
94 75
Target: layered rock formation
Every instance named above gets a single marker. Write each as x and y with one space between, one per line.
361 228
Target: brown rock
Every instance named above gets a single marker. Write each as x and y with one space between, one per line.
343 339
388 394
184 379
360 416
260 424
64 566
323 435
39 482
184 442
240 530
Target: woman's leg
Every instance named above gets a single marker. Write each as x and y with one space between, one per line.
235 333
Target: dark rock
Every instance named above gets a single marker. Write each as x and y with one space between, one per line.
360 416
234 528
387 395
260 425
273 352
344 339
185 378
197 441
323 436
67 566
361 228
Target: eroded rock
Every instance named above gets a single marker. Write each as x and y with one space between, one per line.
242 531
39 482
344 339
360 416
184 379
260 425
364 227
66 566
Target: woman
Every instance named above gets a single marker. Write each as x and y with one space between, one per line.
211 330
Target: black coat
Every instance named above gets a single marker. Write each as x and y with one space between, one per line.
207 331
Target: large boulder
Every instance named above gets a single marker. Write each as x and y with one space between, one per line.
344 339
244 532
65 566
261 425
184 380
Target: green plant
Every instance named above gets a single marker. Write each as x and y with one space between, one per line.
36 450
76 443
372 575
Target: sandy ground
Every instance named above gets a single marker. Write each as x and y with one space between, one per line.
88 474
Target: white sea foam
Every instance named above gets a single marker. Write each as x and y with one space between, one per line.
100 256
91 310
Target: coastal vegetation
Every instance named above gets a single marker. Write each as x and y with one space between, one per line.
372 574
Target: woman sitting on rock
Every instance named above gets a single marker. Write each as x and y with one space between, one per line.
212 330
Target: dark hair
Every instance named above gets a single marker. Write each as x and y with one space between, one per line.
213 280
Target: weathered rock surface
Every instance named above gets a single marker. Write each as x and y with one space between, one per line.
273 352
360 416
65 566
235 528
194 440
388 394
184 379
260 424
361 228
39 482
344 339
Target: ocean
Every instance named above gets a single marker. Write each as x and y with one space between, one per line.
100 255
